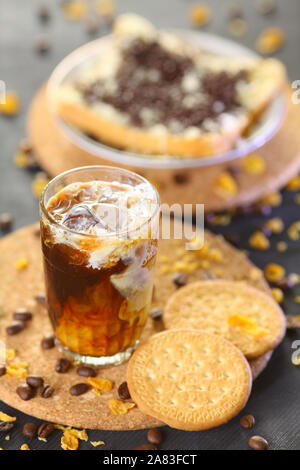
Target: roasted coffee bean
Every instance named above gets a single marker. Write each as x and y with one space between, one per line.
41 299
43 13
247 421
21 314
42 45
146 447
232 238
62 365
180 279
47 391
180 178
156 313
45 430
86 371
34 381
285 283
25 392
15 328
29 430
2 370
258 443
79 389
5 427
154 436
123 391
48 342
6 221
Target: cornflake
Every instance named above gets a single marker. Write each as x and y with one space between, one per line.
254 164
270 40
275 225
75 9
17 369
272 199
259 241
24 447
277 295
225 185
21 264
199 14
105 7
294 184
103 385
11 105
247 325
119 407
6 418
69 441
97 443
274 272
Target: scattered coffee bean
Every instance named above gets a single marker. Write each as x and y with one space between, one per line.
62 365
91 25
247 421
25 146
156 313
180 279
6 221
25 392
42 45
146 447
43 13
123 391
180 178
41 299
79 389
265 7
29 430
233 238
86 371
2 370
34 381
285 283
47 391
21 314
48 342
5 427
258 443
45 430
15 328
154 436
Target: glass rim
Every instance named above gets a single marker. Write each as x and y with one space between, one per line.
52 220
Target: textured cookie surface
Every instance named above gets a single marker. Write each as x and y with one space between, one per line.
245 316
189 379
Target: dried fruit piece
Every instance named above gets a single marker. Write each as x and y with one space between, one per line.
270 40
24 447
259 241
274 272
199 14
119 407
103 385
247 325
254 164
11 106
21 264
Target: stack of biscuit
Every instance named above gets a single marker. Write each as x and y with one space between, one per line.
196 375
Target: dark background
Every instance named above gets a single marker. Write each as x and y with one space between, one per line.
275 398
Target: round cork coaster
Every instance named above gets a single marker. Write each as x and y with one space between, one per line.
56 153
19 289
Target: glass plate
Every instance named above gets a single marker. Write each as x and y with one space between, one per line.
259 134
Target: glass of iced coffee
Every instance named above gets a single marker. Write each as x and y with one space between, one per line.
99 230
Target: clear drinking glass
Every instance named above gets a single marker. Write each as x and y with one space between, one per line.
99 231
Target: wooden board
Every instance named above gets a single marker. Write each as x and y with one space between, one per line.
56 153
19 288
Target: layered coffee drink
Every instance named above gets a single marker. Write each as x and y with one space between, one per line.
99 229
